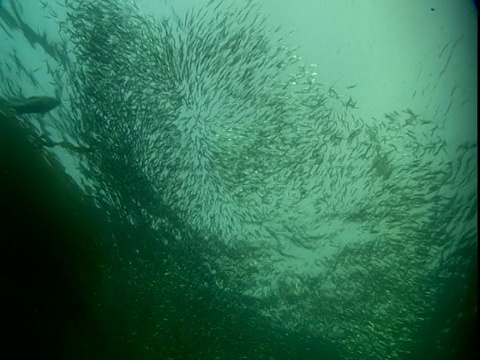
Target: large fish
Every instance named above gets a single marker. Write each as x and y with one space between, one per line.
32 105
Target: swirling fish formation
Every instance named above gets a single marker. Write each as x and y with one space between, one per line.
334 225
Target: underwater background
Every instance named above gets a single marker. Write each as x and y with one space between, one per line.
239 179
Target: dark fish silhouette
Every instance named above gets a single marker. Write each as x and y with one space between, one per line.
33 105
